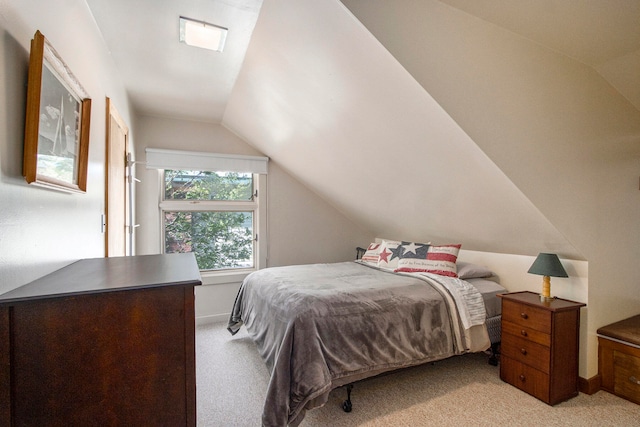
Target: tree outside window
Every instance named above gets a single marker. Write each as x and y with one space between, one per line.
212 215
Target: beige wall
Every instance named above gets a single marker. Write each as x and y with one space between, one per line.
42 230
511 272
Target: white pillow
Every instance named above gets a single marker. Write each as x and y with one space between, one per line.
467 270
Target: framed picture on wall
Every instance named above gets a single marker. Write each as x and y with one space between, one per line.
56 138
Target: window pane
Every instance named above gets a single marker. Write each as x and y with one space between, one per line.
201 185
220 240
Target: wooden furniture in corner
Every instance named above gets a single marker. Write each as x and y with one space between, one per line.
619 358
105 341
539 350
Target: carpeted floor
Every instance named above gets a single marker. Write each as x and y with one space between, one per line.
460 391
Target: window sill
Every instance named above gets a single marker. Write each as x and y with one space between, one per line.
223 278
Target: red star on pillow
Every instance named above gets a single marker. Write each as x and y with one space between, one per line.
384 255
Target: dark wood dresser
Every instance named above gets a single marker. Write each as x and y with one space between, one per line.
619 358
101 342
539 349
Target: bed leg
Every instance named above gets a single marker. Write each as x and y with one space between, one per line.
346 405
493 357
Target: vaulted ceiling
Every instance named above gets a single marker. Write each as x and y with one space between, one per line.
602 34
362 102
165 77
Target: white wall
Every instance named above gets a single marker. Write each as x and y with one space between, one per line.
42 230
511 272
302 228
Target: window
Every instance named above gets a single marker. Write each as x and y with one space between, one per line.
215 206
212 214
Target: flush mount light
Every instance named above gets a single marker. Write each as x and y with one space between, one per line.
202 34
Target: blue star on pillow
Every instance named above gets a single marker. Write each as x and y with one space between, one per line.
396 252
413 250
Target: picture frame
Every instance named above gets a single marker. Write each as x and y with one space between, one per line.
57 122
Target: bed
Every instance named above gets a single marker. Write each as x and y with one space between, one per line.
322 326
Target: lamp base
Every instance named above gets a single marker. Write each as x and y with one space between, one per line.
546 299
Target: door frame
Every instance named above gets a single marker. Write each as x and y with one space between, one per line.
112 114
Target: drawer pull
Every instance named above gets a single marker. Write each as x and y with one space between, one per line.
524 315
634 380
523 351
523 333
522 378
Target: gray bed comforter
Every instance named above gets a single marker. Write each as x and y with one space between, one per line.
321 326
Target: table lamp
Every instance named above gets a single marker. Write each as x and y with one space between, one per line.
547 265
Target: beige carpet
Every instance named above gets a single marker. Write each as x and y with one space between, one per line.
460 391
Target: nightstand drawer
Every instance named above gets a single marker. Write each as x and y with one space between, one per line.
527 352
526 332
626 376
527 316
525 378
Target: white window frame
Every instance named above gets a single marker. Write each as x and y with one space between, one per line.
257 205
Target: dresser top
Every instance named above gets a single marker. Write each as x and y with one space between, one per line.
531 298
95 275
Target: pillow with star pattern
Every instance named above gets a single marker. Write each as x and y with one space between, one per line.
389 254
421 257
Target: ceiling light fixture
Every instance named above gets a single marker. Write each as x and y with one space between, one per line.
202 34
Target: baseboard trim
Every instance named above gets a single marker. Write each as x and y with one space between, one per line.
589 386
215 318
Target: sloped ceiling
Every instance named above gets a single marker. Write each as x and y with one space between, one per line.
163 76
559 130
324 99
602 34
344 104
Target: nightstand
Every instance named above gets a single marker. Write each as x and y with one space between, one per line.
539 350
